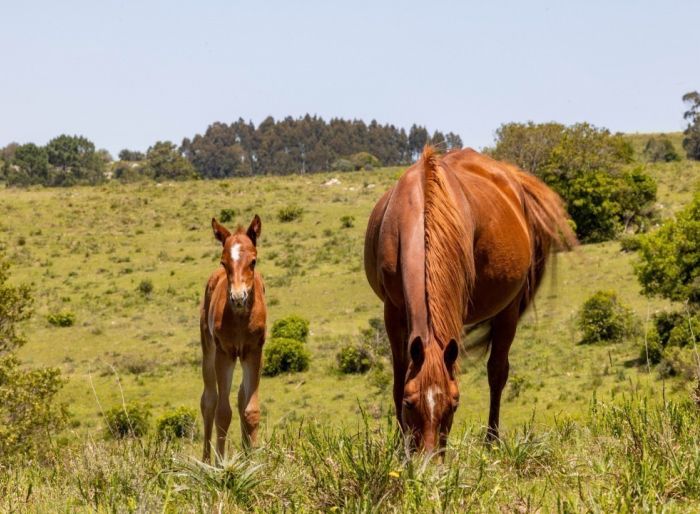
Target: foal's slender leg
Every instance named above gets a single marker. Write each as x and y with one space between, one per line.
502 334
395 323
248 403
224 374
209 395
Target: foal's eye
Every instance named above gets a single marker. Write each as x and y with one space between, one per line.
252 264
408 405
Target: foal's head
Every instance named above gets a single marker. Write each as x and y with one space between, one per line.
238 259
431 393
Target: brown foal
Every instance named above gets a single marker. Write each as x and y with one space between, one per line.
232 326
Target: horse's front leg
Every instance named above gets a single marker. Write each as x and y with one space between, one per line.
395 323
224 373
502 334
248 402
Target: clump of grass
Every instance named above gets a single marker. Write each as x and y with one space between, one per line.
130 420
61 319
290 213
145 287
178 424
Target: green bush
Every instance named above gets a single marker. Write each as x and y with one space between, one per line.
61 319
179 423
669 258
630 243
283 355
291 327
290 213
685 333
670 329
364 161
342 165
604 318
354 359
145 287
130 420
651 351
660 149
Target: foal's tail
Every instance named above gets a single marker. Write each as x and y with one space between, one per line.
549 228
449 252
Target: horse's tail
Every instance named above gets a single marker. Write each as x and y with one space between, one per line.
549 228
449 252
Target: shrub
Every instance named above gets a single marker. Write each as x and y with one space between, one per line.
227 215
669 258
291 327
284 355
651 350
630 243
129 420
290 213
145 287
604 318
347 221
364 161
660 149
61 319
342 165
685 333
178 423
353 358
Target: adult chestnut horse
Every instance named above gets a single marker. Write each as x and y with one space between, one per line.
232 326
461 239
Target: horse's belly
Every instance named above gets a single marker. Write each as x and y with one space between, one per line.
502 266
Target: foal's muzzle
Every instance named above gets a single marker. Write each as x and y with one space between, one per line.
239 299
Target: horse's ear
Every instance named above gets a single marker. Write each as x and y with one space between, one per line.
450 354
417 351
254 229
220 232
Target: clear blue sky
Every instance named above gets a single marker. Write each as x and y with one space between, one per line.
128 73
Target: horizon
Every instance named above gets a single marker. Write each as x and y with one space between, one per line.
126 76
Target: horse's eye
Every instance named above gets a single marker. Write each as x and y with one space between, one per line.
408 405
252 264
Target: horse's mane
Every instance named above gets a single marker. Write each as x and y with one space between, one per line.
449 253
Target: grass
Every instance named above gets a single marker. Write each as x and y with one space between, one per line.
86 251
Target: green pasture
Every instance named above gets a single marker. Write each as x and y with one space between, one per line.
86 249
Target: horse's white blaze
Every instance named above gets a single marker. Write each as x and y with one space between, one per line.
236 252
430 399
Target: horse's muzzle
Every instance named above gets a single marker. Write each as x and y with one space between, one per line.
239 299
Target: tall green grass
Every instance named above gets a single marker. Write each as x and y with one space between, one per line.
631 456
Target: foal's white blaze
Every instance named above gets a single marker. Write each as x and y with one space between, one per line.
236 252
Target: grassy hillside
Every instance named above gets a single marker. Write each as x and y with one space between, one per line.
85 250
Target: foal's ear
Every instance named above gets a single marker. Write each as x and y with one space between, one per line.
417 351
450 354
220 232
254 229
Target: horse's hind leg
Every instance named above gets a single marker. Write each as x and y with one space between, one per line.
503 329
248 403
224 373
209 395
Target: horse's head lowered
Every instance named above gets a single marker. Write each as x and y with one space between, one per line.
431 393
238 259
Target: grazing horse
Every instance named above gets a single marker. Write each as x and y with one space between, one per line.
232 326
460 239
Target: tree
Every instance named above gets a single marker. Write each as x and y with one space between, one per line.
131 155
29 165
28 407
691 141
660 149
165 162
454 142
586 165
669 258
73 160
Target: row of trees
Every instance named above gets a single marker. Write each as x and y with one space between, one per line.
304 145
64 161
